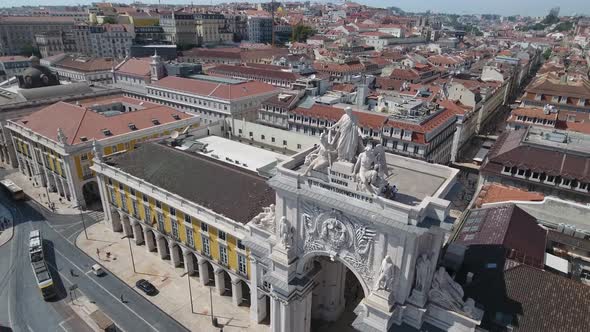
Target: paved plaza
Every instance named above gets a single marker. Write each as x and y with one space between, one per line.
171 282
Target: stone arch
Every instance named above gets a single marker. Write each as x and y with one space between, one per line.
90 193
308 256
116 223
150 239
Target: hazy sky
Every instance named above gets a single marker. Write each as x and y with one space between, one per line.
503 7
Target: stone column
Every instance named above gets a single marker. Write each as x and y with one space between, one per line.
219 280
285 316
149 240
189 264
258 307
161 244
275 315
127 231
174 254
203 271
236 290
137 232
255 305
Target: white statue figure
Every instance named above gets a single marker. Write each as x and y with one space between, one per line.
266 218
364 166
285 232
322 156
61 137
386 274
445 292
348 136
423 266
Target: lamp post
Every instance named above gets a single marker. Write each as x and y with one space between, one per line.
131 251
190 292
46 187
79 206
213 319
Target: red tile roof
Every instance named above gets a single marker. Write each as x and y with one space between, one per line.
495 193
217 90
135 67
366 120
78 121
85 65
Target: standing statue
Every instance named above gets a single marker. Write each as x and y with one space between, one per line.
348 136
285 232
423 267
380 162
445 292
322 156
386 274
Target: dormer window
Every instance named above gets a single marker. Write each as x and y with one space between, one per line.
107 132
176 116
132 126
83 138
155 122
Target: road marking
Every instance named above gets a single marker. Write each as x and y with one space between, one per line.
29 328
63 321
106 290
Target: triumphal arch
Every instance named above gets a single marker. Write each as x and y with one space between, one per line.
354 240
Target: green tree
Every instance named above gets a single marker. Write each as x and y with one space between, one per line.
109 20
301 32
29 50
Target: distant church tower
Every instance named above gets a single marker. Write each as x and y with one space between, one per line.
157 68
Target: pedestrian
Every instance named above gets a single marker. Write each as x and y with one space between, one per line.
122 300
98 252
72 272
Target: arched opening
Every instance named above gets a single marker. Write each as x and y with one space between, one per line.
195 265
176 255
227 291
245 294
91 195
163 248
335 296
210 274
150 240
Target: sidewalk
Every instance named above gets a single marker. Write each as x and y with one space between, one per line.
171 282
39 193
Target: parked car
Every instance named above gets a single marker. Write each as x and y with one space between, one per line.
98 270
146 287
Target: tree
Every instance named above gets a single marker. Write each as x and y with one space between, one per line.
109 20
301 32
29 50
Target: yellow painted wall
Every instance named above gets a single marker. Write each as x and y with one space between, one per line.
231 240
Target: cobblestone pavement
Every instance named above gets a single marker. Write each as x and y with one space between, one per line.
171 282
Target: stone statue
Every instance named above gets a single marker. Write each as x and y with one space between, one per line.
96 150
322 156
445 292
266 218
348 136
386 274
363 167
61 137
285 232
423 266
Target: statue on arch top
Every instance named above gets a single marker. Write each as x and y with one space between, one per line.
348 136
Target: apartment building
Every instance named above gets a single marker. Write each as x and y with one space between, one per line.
58 154
179 28
211 29
213 98
107 40
274 75
18 32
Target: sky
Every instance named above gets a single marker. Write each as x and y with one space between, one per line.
502 7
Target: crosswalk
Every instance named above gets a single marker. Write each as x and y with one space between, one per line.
96 216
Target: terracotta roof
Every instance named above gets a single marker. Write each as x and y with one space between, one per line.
495 192
506 225
86 65
217 90
553 87
344 87
244 71
339 68
135 66
36 19
454 106
537 300
79 121
509 150
366 120
533 113
8 58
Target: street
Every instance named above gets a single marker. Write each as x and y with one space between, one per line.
21 305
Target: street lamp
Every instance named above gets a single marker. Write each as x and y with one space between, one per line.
131 251
46 187
190 291
79 206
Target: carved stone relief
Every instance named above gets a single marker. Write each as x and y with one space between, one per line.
331 231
